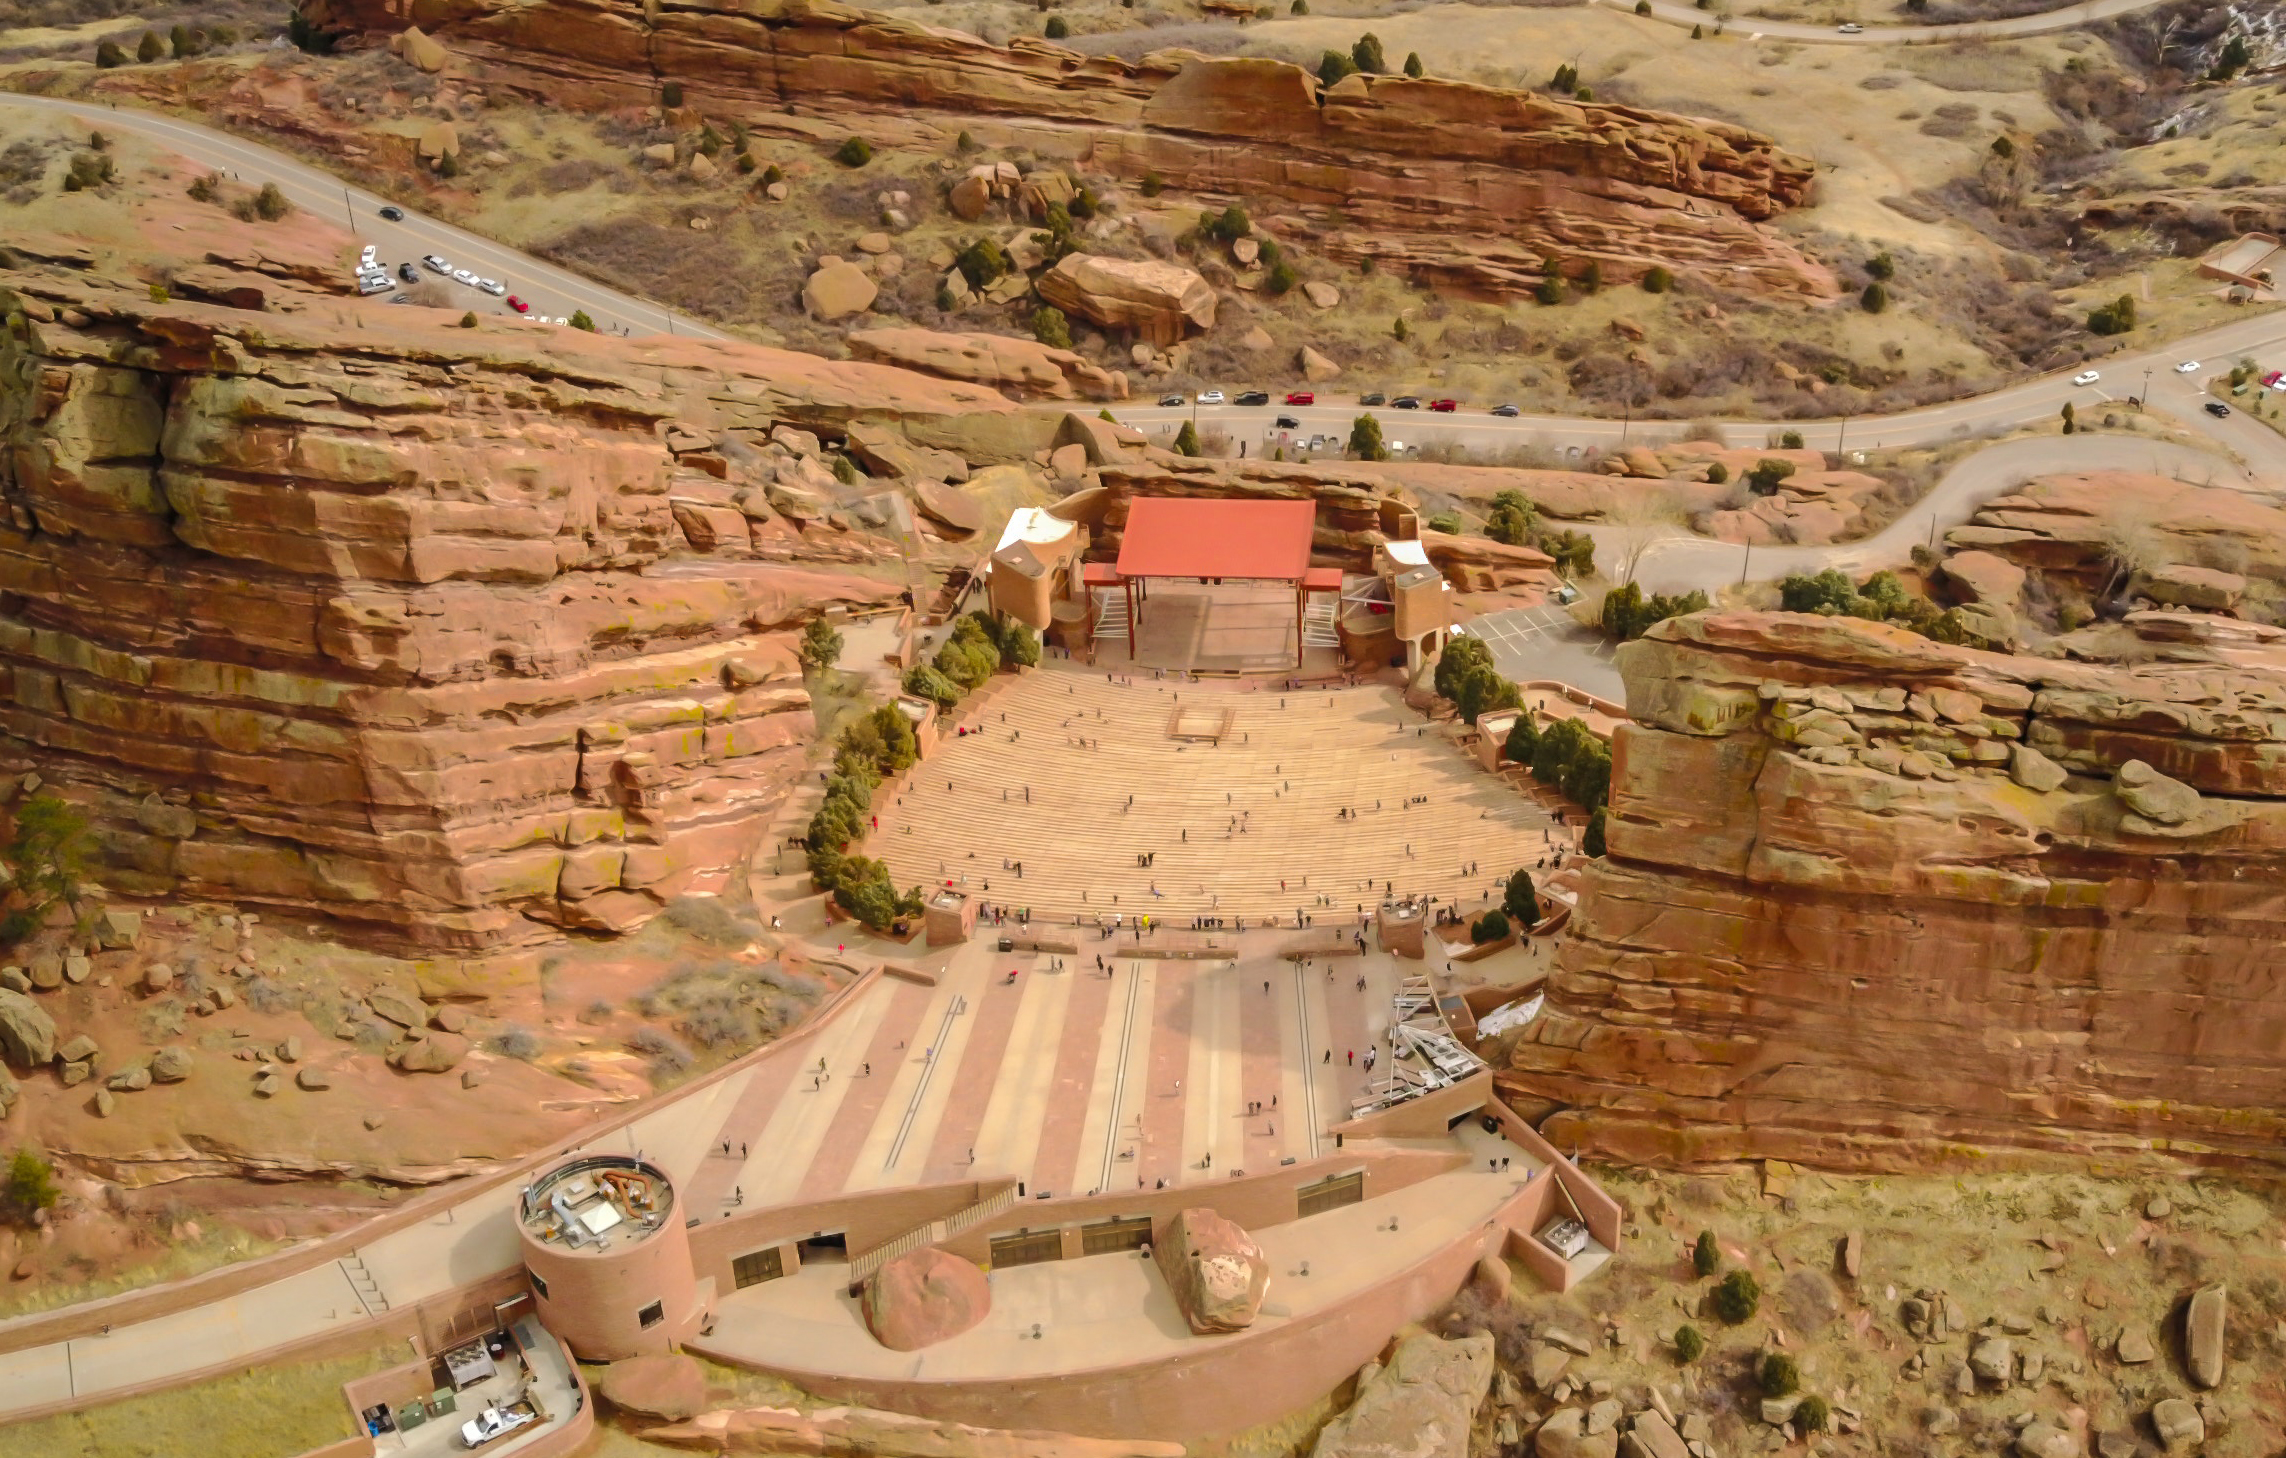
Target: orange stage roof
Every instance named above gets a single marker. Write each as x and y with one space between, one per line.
1171 536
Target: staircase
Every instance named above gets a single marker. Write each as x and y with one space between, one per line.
1318 623
361 1281
862 1267
1110 614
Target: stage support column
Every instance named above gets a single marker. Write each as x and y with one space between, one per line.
1130 620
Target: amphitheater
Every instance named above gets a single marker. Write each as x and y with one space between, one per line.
1236 794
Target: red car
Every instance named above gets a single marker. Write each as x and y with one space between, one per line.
1445 406
1302 397
2272 380
518 305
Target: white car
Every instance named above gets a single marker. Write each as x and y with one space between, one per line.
1210 397
374 283
2187 367
2086 377
368 260
492 286
435 264
462 275
491 1423
1850 27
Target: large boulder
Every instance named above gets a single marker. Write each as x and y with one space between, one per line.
27 1033
1024 368
1419 1405
1217 1272
924 1297
418 50
2202 588
434 1053
1158 302
837 291
1565 1435
1985 577
664 1385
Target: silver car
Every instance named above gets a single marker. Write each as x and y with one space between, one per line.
492 286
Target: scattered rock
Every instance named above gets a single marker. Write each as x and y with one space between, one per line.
267 1083
1493 1277
1653 1436
2117 1443
2034 770
2044 1440
1939 1420
1316 368
1546 1366
401 1008
665 1385
432 1053
2203 1335
1570 1341
1321 295
2134 1347
15 979
290 1050
1852 1253
103 1103
78 1050
129 1080
73 1073
701 169
170 1065
158 977
1779 1411
1985 577
837 291
1604 1416
1159 302
1993 1359
374 1121
27 1033
451 1019
117 930
312 1079
471 1077
2203 589
2178 1425
1256 339
2158 1207
777 192
77 969
874 243
47 971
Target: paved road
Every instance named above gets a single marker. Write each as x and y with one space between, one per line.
1544 642
2063 18
551 291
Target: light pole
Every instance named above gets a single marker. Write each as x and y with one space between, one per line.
2142 400
349 212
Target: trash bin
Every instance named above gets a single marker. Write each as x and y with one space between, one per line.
1007 944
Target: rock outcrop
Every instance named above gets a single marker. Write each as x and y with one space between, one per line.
458 637
1419 1405
1024 368
1156 302
1874 901
1216 1271
669 1386
924 1297
1455 182
2084 528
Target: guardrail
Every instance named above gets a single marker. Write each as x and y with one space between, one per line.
862 1267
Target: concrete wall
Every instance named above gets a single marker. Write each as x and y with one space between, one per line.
870 1219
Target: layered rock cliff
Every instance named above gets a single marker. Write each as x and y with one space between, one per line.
1460 183
1877 902
453 635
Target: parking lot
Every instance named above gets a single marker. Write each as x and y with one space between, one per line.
1544 642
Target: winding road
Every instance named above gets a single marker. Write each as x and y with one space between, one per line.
2248 454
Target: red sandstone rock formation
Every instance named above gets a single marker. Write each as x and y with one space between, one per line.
1217 1273
924 1297
455 635
861 1432
1023 368
1459 183
1156 302
1876 902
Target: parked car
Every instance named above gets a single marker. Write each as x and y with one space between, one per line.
374 283
1406 402
435 264
2086 377
1376 398
369 259
1444 407
1210 397
2217 409
393 213
405 272
518 305
2187 367
1301 397
1173 400
463 275
2274 380
1288 422
492 286
1255 397
1850 27
1508 411
495 1422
